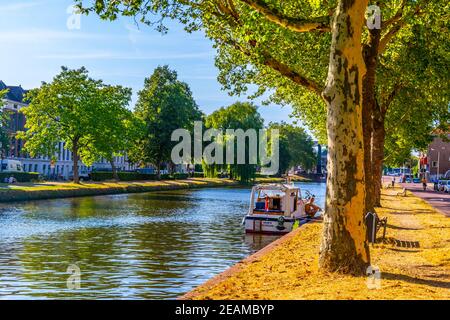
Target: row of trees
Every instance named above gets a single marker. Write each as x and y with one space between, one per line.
93 120
345 80
295 145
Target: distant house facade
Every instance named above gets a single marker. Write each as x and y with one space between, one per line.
438 158
62 168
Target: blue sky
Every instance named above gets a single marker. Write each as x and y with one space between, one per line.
35 42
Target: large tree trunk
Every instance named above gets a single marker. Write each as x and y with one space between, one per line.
75 157
114 169
344 246
370 55
378 138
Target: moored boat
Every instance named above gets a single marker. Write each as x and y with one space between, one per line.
275 209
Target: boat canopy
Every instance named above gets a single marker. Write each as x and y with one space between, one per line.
275 187
283 198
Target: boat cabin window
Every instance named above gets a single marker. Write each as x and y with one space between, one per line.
274 201
276 204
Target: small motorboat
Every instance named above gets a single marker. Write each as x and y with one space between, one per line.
276 209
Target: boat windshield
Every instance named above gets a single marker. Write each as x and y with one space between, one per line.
271 193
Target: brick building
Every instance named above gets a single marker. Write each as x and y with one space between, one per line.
438 158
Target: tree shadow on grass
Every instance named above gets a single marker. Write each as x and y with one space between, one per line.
400 243
391 226
426 282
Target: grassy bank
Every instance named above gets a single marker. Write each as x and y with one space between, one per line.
414 262
51 190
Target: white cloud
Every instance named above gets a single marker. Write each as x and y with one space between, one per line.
39 35
19 6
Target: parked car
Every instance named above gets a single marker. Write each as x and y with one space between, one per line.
8 165
446 185
84 176
441 185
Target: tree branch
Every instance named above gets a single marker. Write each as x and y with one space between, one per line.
398 15
290 23
390 98
397 22
269 61
389 36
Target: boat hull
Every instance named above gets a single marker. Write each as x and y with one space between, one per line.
268 224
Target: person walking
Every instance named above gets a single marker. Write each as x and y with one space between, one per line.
424 183
393 182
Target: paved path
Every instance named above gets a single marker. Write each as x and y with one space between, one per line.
438 200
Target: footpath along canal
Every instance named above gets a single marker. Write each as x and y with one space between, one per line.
155 245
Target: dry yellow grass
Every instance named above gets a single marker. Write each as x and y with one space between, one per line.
48 190
290 270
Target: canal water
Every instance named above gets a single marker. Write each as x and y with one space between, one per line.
155 245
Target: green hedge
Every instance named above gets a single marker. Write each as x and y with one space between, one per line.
20 176
123 176
174 176
181 175
199 175
133 176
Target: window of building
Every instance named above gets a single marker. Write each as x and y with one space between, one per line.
434 164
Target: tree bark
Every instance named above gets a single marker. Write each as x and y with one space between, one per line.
75 157
114 169
344 246
378 139
370 54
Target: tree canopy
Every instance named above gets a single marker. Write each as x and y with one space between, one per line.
164 105
74 109
115 131
237 116
296 147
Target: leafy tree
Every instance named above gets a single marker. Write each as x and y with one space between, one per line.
4 136
164 105
114 131
70 109
312 54
242 116
296 147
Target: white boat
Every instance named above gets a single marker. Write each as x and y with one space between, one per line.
274 209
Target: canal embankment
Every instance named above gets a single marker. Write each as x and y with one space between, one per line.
54 190
413 262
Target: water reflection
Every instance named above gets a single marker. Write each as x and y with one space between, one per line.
153 246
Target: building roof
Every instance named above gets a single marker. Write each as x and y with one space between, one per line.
15 93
